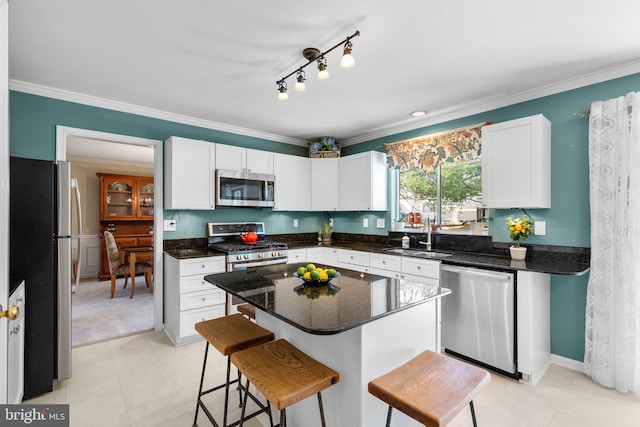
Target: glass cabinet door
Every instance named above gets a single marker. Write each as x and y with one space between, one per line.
145 199
119 196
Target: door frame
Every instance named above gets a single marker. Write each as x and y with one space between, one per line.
64 132
4 194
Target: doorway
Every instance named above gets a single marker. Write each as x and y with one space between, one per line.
89 152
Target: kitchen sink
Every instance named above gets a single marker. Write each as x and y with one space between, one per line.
417 253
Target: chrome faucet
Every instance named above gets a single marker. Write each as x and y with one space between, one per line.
427 224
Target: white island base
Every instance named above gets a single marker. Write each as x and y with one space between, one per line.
360 355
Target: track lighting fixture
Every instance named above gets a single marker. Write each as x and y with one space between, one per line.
282 88
315 55
323 73
300 83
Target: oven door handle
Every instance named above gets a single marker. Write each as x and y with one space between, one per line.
245 265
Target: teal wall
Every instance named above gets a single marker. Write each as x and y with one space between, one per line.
568 220
32 134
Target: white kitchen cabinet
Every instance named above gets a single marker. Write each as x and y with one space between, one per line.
330 256
516 163
296 255
421 270
243 159
293 183
353 260
363 182
324 184
323 255
190 299
189 174
385 265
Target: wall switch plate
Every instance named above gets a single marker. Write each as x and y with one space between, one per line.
365 222
380 223
295 222
540 228
170 224
330 222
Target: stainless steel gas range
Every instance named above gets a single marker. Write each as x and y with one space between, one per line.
230 237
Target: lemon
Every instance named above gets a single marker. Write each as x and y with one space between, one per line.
331 272
301 271
324 277
307 276
311 267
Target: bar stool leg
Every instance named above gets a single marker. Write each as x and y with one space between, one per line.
389 415
321 409
473 414
239 388
204 365
244 407
226 393
283 418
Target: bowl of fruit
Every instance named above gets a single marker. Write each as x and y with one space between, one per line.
316 275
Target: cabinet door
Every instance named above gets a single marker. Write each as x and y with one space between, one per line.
296 255
117 195
259 161
516 164
363 182
293 179
231 157
330 256
324 184
144 198
189 174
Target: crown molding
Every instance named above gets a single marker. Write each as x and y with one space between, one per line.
490 103
65 95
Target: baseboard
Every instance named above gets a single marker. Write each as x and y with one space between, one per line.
567 363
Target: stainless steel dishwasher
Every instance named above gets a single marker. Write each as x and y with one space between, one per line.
478 317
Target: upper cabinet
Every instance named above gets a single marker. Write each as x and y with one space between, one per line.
293 183
126 197
189 175
516 163
324 184
243 159
362 182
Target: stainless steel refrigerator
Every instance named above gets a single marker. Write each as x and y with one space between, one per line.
40 252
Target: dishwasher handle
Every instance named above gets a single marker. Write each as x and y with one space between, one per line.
478 272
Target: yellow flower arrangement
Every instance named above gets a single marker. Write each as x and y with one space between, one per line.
519 228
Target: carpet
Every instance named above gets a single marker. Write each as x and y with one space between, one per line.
96 317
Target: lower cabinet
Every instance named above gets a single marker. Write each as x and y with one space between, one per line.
353 260
188 298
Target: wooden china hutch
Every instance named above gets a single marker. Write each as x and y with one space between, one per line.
126 210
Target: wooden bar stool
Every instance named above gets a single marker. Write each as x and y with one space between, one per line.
430 388
228 335
248 310
284 375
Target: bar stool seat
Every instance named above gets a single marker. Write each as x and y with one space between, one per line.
248 310
430 388
228 334
284 375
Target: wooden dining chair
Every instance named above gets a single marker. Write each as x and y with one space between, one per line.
119 268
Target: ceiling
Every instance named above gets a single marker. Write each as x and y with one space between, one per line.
216 62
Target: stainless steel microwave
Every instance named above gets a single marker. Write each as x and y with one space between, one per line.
235 188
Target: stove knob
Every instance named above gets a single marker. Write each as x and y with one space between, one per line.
273 254
246 257
279 253
260 255
238 257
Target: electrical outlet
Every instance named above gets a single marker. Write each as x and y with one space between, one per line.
380 223
170 224
365 222
295 222
540 228
330 222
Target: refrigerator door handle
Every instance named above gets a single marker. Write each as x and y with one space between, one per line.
64 271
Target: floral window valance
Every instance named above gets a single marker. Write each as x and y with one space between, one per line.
428 152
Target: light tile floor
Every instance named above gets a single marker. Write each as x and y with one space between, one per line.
143 380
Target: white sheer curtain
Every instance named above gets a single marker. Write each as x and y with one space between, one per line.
612 335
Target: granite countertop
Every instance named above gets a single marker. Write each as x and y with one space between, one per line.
185 253
350 300
540 262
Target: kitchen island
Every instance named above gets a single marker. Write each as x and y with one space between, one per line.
361 325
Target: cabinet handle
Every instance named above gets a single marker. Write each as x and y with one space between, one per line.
204 299
351 256
384 262
419 268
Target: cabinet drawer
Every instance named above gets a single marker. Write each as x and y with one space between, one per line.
353 257
201 298
385 273
296 255
189 318
208 265
386 262
421 267
354 267
195 284
420 279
